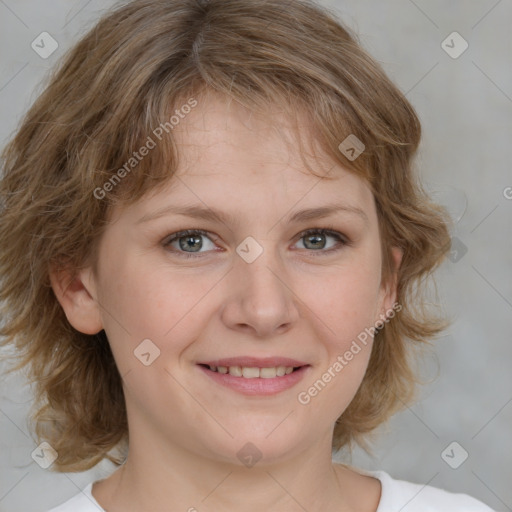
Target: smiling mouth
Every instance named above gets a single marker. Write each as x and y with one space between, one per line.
249 372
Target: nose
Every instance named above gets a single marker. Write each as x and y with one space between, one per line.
260 301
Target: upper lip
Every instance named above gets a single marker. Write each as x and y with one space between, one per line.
255 362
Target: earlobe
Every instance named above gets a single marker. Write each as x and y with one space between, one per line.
76 294
391 287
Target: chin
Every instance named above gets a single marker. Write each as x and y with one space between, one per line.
264 448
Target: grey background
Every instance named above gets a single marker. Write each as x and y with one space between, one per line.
465 105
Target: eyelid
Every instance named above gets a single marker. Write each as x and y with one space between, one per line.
330 231
343 240
188 232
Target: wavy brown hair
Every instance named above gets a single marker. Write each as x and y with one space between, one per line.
140 62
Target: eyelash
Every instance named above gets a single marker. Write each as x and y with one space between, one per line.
329 231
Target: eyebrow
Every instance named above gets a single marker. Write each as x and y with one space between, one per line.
205 213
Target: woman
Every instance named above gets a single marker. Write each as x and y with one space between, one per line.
224 232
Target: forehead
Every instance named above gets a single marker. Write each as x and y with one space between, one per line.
252 166
223 143
221 128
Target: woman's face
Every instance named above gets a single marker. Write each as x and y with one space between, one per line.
252 286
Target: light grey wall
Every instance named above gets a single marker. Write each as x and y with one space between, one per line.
465 104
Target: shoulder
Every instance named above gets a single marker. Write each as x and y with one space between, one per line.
81 502
412 497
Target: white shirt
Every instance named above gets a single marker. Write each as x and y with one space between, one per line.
396 496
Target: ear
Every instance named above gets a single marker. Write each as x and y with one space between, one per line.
389 289
76 294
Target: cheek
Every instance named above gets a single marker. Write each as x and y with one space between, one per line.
347 302
347 307
151 302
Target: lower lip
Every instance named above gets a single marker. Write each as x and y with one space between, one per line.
257 386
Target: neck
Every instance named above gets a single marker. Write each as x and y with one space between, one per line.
308 481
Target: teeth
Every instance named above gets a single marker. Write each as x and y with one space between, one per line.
236 371
253 373
250 373
268 373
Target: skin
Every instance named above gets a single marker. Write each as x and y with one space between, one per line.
293 301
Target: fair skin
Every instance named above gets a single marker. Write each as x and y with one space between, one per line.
292 301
